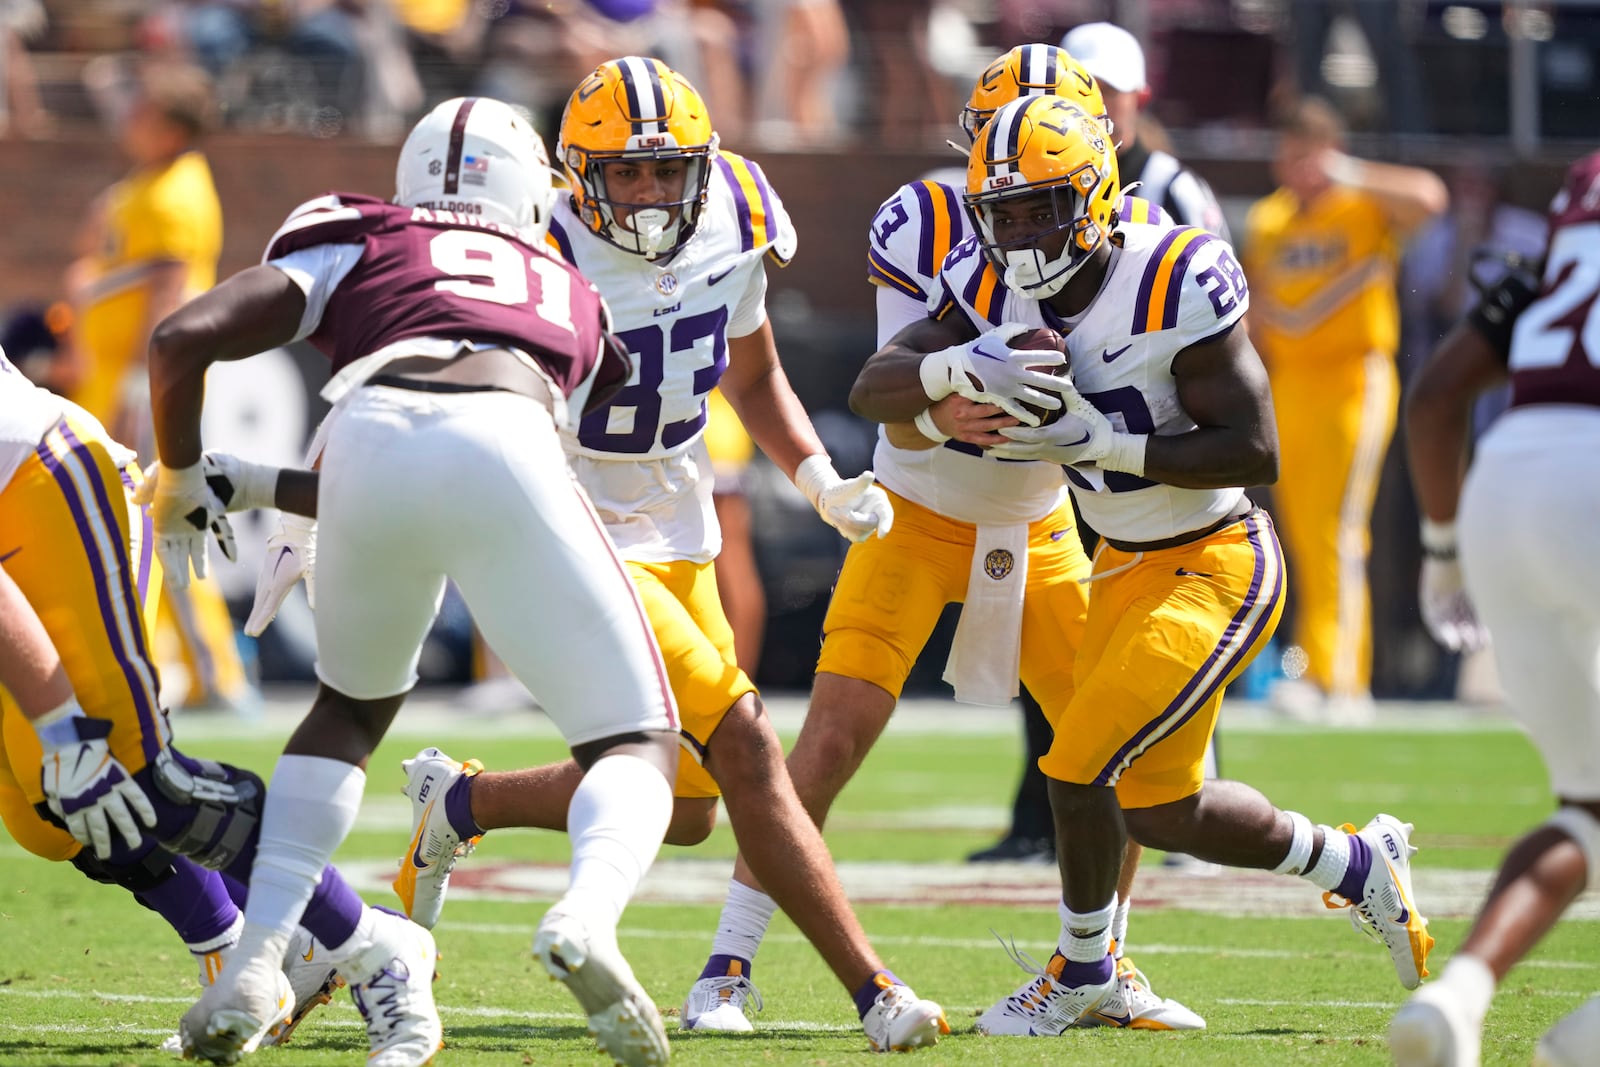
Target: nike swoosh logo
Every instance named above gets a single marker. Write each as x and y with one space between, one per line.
1181 573
715 278
978 351
312 951
284 551
8 555
1082 440
1058 535
1114 1020
1109 355
416 856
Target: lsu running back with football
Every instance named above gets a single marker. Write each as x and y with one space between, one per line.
676 234
997 536
1167 415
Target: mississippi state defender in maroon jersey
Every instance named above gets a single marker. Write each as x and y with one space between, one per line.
1528 566
460 350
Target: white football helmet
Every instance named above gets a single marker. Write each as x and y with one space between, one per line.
477 155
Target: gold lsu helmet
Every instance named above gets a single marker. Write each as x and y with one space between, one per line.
639 109
1031 70
1033 148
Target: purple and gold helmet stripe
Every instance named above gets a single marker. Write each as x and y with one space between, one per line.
647 103
458 134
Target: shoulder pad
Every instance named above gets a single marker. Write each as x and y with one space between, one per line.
911 234
338 218
1142 212
763 223
967 278
1172 269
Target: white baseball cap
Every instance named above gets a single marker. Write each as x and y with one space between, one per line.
1110 53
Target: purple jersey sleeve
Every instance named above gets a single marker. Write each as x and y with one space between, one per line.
448 275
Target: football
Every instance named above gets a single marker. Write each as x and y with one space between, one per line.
1044 339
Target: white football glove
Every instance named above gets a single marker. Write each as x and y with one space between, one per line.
240 484
291 556
856 508
182 509
1081 435
85 785
1447 610
987 370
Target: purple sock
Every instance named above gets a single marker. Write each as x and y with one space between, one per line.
334 910
1076 974
867 995
719 966
1354 885
458 808
193 901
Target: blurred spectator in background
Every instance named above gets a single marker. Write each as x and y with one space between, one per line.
21 114
323 35
802 45
739 587
1380 22
1114 57
907 102
1321 253
151 242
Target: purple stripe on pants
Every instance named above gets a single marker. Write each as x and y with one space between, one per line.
144 701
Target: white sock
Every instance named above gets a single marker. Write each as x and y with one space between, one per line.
616 821
228 937
1471 984
745 915
1333 862
1086 936
1119 927
310 809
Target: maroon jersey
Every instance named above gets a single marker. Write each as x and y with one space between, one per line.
1555 346
445 274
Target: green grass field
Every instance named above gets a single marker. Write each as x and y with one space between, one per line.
87 977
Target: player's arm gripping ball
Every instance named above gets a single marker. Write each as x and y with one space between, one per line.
988 370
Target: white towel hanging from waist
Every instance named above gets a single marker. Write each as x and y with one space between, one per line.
987 651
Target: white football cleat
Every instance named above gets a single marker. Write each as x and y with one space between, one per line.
1043 1007
1133 1005
435 846
236 1012
391 982
1387 908
722 1004
313 979
1572 1041
1432 1030
900 1021
622 1017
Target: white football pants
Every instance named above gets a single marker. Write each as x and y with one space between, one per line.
417 487
1530 510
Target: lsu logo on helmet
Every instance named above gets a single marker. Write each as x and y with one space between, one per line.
1042 167
1030 70
640 110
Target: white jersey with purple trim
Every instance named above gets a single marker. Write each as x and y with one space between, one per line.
27 413
640 457
911 235
1166 288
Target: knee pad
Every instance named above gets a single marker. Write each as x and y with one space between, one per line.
226 802
138 876
1583 828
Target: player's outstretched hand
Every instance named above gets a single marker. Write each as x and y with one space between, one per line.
183 508
1447 611
86 786
856 508
291 556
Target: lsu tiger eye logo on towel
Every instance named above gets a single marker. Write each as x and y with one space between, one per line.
998 563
